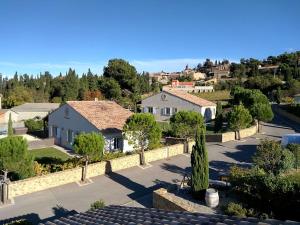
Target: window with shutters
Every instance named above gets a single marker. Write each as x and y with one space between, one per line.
150 110
167 111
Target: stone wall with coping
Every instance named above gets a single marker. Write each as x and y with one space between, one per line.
43 182
248 131
162 199
51 180
123 163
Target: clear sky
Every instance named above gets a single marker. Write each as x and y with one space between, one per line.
153 35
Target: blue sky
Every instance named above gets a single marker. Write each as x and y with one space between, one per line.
153 35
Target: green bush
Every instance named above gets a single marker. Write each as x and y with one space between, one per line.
97 205
272 158
15 158
274 195
295 149
235 209
34 125
112 155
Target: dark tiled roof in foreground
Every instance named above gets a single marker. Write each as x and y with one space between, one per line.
113 215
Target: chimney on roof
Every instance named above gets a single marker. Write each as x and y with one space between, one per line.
96 99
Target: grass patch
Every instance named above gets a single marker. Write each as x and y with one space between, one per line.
223 95
49 153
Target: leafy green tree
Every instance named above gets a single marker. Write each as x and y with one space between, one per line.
17 96
90 146
239 118
272 158
143 132
199 163
261 112
15 158
184 124
218 118
10 131
71 86
124 73
111 89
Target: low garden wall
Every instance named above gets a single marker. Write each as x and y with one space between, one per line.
248 131
162 199
230 136
51 180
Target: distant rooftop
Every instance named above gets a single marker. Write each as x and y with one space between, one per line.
189 97
36 107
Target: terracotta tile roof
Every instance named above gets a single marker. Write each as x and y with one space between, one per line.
102 114
189 97
116 215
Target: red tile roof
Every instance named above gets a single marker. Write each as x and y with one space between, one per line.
102 114
189 97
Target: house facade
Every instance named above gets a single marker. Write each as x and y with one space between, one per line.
75 117
166 103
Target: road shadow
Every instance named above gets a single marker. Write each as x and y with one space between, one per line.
221 168
34 218
176 169
138 190
244 154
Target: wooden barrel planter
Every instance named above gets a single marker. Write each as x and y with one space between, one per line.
212 197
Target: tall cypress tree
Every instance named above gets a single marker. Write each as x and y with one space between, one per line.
199 162
10 131
219 118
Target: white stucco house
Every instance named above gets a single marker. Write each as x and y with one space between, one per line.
74 117
166 103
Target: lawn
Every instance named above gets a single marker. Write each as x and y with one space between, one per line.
215 96
49 153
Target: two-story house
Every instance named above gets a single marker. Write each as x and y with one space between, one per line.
166 103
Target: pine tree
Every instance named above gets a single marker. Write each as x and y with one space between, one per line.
10 128
199 162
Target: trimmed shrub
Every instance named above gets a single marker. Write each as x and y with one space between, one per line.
34 125
97 205
235 209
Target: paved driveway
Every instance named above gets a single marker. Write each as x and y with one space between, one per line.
134 186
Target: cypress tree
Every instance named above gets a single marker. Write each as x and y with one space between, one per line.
219 118
199 162
10 131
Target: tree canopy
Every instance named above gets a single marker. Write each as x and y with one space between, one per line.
184 124
143 132
239 118
15 158
89 145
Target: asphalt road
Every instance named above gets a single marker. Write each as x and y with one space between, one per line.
134 186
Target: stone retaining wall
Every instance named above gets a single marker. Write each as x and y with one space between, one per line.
248 131
51 180
163 199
